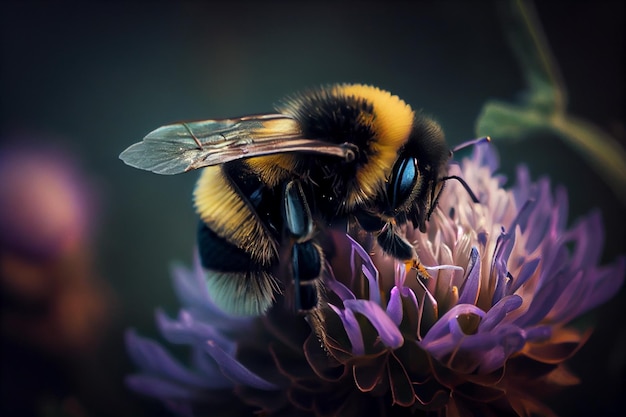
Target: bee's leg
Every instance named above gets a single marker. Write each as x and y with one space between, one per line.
394 244
387 236
306 256
398 247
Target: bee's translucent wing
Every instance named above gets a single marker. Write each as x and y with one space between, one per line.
182 147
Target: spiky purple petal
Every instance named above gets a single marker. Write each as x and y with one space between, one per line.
235 371
387 330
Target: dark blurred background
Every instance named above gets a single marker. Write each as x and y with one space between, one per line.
91 78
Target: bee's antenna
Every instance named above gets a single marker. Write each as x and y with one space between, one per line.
464 145
471 143
464 184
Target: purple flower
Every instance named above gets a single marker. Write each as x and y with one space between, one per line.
481 327
47 205
51 297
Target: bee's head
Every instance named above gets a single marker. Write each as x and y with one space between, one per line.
420 173
412 188
416 179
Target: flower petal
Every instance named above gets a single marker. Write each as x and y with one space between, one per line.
235 371
394 306
189 331
186 287
369 270
352 328
402 390
588 235
442 327
563 344
469 290
543 301
538 334
324 365
497 313
331 283
368 373
153 359
387 330
190 287
606 282
528 269
509 340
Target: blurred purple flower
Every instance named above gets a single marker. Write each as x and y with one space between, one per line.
47 205
485 335
51 297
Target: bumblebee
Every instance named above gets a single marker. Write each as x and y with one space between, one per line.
272 183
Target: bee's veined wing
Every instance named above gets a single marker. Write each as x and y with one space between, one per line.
182 147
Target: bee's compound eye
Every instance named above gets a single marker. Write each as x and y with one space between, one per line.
402 182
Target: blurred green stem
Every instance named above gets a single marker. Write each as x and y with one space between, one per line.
543 108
